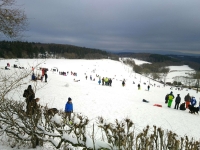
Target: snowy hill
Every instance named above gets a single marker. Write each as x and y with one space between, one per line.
111 102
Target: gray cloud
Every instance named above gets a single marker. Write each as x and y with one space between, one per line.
116 24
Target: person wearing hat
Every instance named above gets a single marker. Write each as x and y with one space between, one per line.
187 100
69 108
170 99
177 101
29 95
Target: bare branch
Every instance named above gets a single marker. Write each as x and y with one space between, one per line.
13 21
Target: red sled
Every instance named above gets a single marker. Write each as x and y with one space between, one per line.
158 105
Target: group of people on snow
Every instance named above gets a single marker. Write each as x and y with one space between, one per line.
31 101
40 77
105 81
32 105
138 86
7 67
63 73
101 81
73 73
188 100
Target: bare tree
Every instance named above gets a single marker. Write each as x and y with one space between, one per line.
164 71
146 73
13 21
14 79
155 75
196 76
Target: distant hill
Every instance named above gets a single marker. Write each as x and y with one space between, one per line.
192 61
187 58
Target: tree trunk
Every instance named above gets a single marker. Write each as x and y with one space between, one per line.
35 141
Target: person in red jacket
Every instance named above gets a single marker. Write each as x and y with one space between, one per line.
43 71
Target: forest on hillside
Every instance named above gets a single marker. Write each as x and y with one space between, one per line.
18 49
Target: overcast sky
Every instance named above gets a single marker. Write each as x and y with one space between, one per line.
116 25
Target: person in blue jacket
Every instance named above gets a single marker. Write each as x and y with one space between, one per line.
33 77
193 101
69 108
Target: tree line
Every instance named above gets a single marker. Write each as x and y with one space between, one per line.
18 49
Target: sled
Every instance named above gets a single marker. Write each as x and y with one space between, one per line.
146 101
158 105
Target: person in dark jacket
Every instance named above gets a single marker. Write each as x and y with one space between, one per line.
138 86
166 98
182 106
148 87
110 82
177 101
69 108
6 68
45 77
103 81
187 100
29 95
123 83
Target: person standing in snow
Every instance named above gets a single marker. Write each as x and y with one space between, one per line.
166 98
110 82
148 87
33 69
45 76
138 86
103 81
170 99
177 101
123 83
193 101
99 80
69 108
33 77
29 95
187 100
106 80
